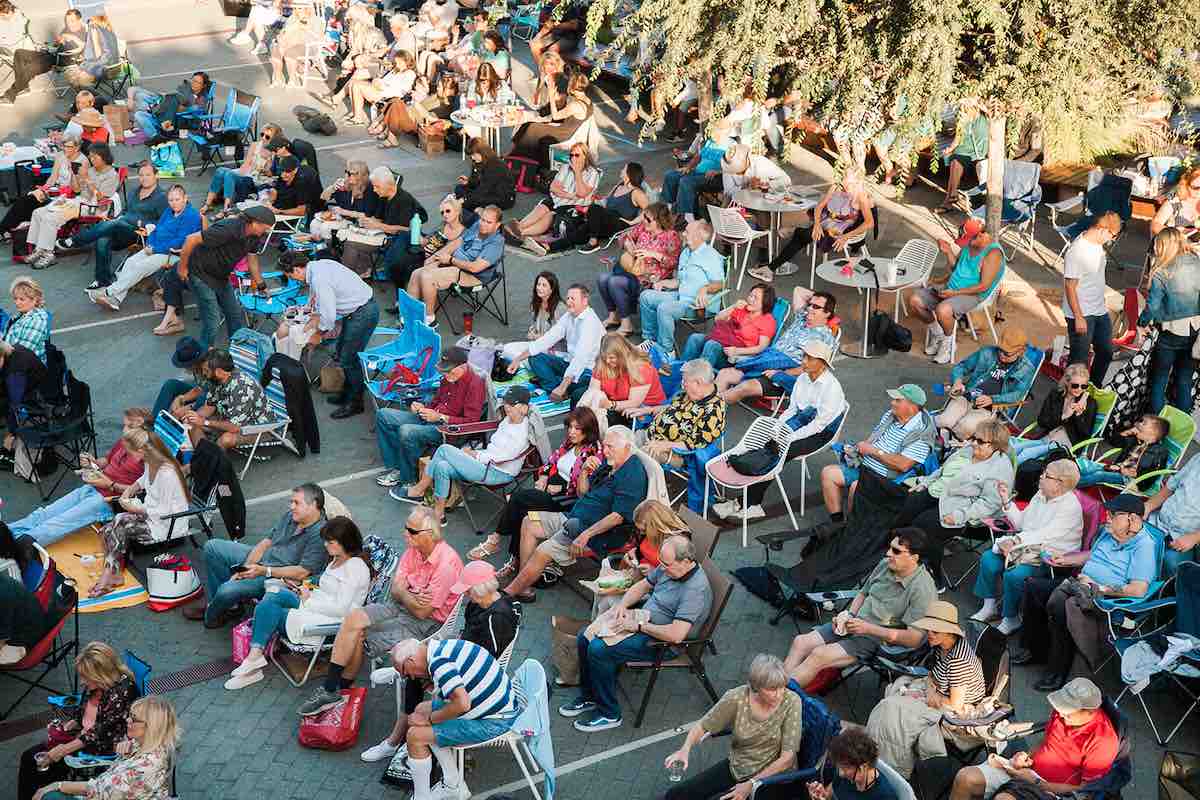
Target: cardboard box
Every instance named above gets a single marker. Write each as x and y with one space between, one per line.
432 142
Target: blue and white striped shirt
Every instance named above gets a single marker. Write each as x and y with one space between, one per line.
889 442
455 663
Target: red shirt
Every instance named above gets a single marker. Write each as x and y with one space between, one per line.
123 467
1076 756
743 330
461 400
618 388
647 552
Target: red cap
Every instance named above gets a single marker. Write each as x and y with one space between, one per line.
970 229
473 574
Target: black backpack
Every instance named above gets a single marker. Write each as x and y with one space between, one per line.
885 335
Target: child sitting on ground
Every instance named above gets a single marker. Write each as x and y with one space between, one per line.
1142 450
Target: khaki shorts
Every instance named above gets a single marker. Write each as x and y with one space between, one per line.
391 624
561 537
445 277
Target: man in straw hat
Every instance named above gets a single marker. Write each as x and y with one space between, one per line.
1079 746
814 413
992 376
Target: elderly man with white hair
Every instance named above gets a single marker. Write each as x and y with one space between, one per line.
677 599
601 520
491 622
701 272
694 419
741 169
473 701
395 211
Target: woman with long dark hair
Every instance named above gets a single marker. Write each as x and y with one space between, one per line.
546 307
565 114
288 607
490 183
621 208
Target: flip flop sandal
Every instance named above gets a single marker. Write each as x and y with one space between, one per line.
485 549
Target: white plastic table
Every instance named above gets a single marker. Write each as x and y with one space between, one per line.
791 200
491 118
864 281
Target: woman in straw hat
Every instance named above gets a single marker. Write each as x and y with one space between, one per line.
907 722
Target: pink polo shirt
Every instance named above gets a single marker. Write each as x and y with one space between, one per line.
434 576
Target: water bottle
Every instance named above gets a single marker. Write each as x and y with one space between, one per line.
414 230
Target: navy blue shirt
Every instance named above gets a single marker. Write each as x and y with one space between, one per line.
610 492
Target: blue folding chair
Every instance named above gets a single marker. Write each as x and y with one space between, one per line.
236 127
416 346
1022 195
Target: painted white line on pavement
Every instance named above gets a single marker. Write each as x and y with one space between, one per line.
101 323
588 761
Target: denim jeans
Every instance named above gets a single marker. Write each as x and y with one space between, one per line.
143 102
231 184
548 371
403 438
269 616
68 513
1010 582
212 304
451 464
223 594
620 292
172 388
1099 337
1029 449
698 345
1173 558
1171 364
670 189
113 233
1093 472
598 664
660 311
357 328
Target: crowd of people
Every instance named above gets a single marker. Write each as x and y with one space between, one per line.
637 412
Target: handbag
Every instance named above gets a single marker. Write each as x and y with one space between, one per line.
167 159
758 461
402 373
333 379
337 728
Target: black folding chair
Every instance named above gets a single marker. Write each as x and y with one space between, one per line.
66 431
478 296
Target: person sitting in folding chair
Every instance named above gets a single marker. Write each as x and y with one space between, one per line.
23 622
623 379
1142 448
677 598
236 400
694 419
1067 417
774 371
1080 745
978 267
104 481
143 521
1175 510
236 573
27 60
344 305
291 607
296 190
600 521
470 260
701 272
895 595
420 599
30 326
100 184
851 771
581 329
742 330
490 621
1060 617
153 111
494 465
814 412
993 375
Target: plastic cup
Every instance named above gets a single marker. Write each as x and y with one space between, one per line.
43 762
468 322
675 771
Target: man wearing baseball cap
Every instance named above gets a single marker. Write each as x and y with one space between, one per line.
296 190
978 268
208 258
814 412
1080 745
404 435
490 621
903 439
991 376
1061 617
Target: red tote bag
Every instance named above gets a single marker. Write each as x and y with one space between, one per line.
337 728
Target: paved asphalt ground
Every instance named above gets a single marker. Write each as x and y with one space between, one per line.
243 744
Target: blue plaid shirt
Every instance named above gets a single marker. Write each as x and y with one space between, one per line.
30 330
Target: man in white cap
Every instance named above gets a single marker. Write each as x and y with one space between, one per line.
491 622
814 413
1079 746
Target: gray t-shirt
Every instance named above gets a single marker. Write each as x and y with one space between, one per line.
292 545
688 598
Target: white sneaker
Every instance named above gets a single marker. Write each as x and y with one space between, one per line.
242 681
241 38
754 512
934 339
251 664
389 479
990 610
1009 625
443 792
727 509
380 752
261 50
943 353
384 676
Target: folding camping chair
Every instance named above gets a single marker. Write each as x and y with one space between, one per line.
417 346
237 127
1104 193
275 432
1179 438
1022 195
117 75
477 295
68 436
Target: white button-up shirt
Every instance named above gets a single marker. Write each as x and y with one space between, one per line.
582 335
334 291
824 394
1056 525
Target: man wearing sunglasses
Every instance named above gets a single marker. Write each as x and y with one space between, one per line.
978 269
896 594
989 378
420 599
1088 325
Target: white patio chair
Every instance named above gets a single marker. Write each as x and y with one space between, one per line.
731 227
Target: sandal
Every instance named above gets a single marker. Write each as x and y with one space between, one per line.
485 549
526 597
509 568
170 330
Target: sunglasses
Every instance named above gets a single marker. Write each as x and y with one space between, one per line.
1078 385
576 155
896 551
416 531
447 210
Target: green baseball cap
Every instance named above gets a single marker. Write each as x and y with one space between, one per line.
910 392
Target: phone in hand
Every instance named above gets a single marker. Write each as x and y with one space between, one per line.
236 568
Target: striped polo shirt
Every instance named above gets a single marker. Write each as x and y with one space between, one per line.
959 666
454 663
889 442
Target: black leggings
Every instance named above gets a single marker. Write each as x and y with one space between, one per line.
715 781
521 503
400 271
20 211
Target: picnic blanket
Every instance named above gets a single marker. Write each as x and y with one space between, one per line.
541 400
84 542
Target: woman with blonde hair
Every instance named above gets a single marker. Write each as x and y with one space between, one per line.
399 82
146 758
30 328
655 521
96 724
234 184
574 186
144 521
1182 209
1067 417
450 213
1173 300
622 379
349 197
